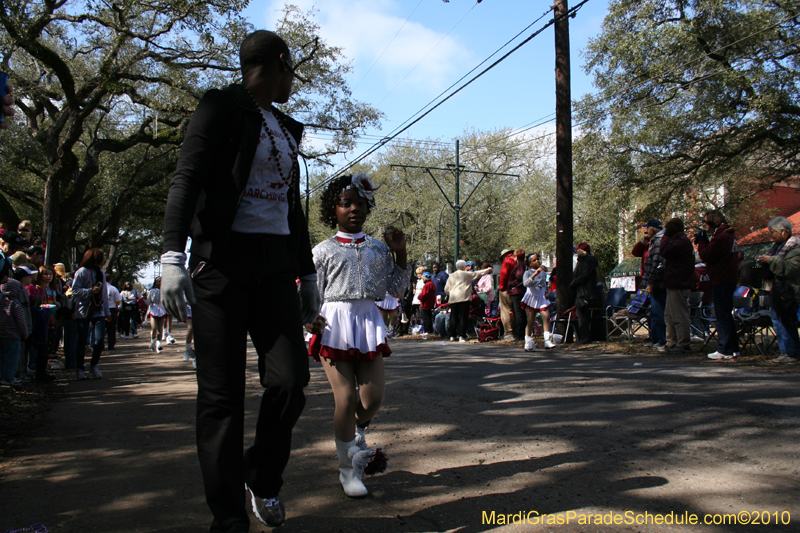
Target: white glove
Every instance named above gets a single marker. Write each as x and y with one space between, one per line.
176 289
309 301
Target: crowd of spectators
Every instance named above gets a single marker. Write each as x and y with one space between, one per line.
44 308
710 262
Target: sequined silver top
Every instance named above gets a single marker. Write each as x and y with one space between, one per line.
349 271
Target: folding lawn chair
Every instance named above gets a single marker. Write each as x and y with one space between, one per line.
616 301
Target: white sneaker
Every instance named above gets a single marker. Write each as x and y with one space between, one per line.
135 335
96 372
784 358
462 339
169 338
153 345
80 374
716 356
452 339
188 353
159 349
390 332
530 344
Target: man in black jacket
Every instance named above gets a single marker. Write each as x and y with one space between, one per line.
584 286
236 191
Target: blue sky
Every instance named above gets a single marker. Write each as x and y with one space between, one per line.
404 53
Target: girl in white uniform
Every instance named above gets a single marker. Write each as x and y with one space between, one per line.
157 315
388 307
353 273
535 301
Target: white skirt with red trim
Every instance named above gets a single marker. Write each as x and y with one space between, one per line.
536 299
355 332
389 303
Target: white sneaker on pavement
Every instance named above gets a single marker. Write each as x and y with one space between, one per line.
96 372
159 349
188 353
153 345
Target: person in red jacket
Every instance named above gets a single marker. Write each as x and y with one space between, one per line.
509 263
721 257
427 301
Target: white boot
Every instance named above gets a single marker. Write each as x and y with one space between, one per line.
530 344
548 340
349 477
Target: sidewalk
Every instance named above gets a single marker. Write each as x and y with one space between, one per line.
469 428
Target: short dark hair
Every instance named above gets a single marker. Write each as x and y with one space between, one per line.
260 48
673 227
715 217
330 199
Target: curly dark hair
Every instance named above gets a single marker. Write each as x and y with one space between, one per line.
330 199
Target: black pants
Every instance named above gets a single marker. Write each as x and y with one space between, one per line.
127 316
459 313
427 320
520 316
584 329
231 303
111 329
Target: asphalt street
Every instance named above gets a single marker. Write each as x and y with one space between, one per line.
481 437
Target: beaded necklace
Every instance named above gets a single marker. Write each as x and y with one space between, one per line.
275 151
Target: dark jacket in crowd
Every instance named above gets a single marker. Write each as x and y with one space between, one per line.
584 279
721 256
678 257
514 284
207 187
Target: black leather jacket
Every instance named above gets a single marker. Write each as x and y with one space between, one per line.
213 169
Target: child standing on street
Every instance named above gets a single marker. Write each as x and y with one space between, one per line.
353 272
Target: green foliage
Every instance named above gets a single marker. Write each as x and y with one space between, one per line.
694 95
504 211
105 92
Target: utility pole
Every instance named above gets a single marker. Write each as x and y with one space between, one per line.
564 218
457 206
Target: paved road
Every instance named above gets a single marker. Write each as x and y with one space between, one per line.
471 429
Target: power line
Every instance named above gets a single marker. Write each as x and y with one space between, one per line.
487 69
473 70
387 46
426 55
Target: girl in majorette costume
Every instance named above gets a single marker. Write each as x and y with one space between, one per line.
535 301
388 307
354 272
157 315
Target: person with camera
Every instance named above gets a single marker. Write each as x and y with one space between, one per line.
720 254
782 264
